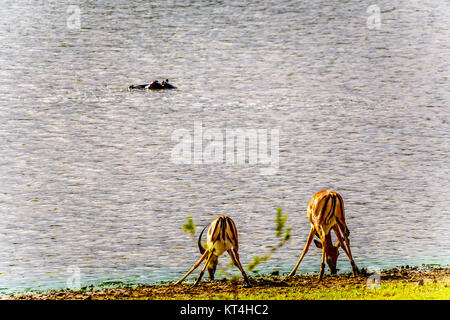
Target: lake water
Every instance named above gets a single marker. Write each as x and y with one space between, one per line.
90 188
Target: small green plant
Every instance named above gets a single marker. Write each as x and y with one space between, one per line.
256 261
280 232
189 226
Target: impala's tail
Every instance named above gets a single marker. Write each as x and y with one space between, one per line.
200 247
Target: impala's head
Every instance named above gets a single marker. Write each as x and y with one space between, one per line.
211 267
331 254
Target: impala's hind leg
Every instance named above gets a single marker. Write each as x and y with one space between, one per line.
193 268
305 250
346 247
235 257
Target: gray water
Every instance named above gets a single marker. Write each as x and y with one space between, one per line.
88 179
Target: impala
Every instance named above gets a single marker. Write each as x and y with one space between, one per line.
325 212
222 236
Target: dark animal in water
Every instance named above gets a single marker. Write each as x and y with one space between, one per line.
155 85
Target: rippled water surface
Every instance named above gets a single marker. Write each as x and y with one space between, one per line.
88 179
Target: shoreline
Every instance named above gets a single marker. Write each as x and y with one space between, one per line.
396 283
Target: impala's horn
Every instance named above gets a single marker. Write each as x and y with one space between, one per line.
200 247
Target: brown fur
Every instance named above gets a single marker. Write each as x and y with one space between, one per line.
325 211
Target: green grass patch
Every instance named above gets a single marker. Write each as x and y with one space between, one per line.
388 291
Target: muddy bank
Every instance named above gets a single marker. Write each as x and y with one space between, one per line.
269 287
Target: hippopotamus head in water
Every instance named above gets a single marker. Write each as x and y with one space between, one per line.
167 85
155 85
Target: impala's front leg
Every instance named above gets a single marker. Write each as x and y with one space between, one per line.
322 265
204 267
